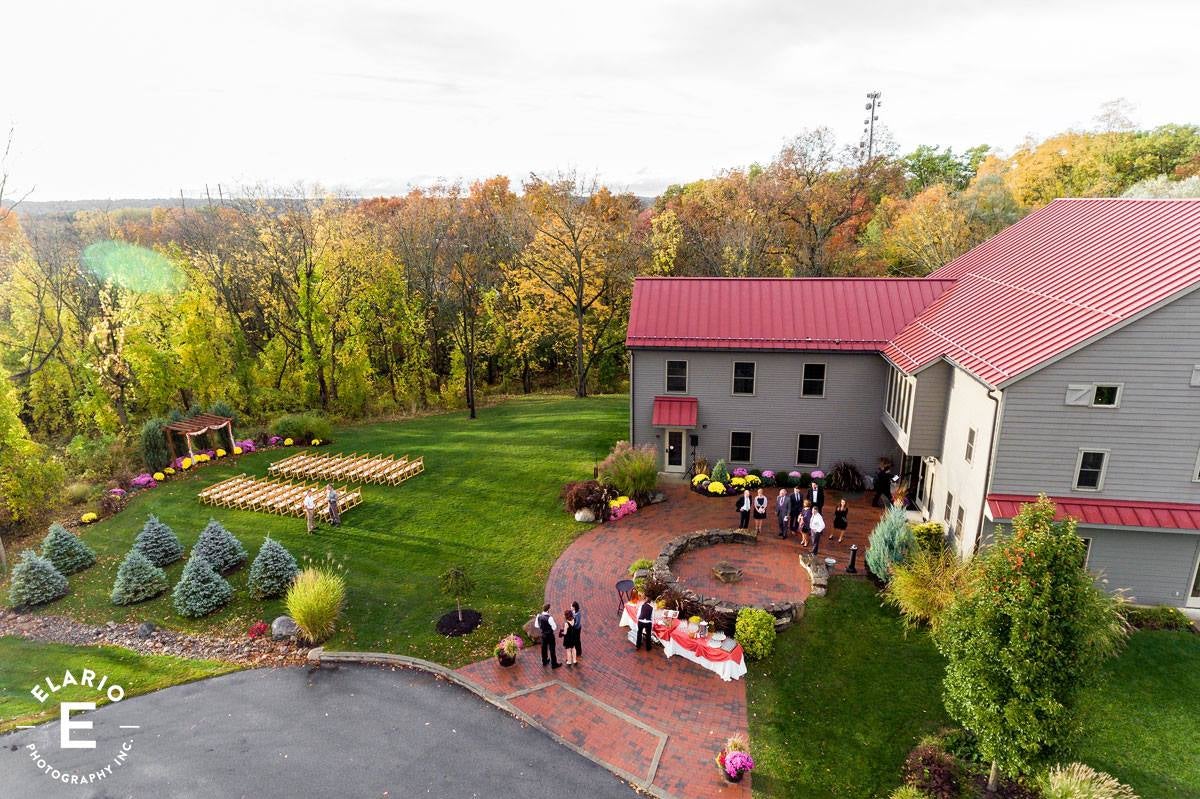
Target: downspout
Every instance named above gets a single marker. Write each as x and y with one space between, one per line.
995 396
632 399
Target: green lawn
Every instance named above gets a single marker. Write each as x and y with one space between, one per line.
488 499
836 708
28 663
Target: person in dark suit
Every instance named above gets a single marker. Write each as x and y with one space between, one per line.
547 627
645 622
743 507
578 623
816 495
795 509
782 508
882 485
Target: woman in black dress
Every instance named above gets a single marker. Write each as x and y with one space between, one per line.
760 511
839 519
570 638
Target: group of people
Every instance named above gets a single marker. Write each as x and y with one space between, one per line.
798 513
570 631
310 507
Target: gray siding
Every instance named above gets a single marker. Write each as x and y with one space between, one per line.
846 418
1153 567
929 410
1152 438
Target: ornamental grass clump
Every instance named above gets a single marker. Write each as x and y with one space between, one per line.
158 543
272 571
35 581
890 543
755 631
314 601
201 590
633 471
219 547
1080 781
925 587
138 579
66 551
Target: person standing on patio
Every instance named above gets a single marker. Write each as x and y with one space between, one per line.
816 495
570 638
882 484
645 622
548 629
331 495
795 509
816 525
310 510
840 518
782 504
579 622
743 507
805 519
760 511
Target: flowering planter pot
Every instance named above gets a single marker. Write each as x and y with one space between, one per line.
738 778
506 660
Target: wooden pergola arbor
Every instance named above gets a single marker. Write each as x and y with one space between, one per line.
199 425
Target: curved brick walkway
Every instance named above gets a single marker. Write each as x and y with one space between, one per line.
654 721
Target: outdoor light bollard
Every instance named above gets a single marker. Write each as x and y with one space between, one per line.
851 569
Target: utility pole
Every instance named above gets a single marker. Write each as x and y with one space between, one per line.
866 147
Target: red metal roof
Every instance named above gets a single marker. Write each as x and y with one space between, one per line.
775 313
1116 512
1052 281
674 412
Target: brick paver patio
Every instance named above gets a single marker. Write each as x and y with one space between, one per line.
655 721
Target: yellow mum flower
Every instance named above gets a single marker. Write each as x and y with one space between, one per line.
716 488
185 464
88 518
237 450
159 476
220 453
698 479
287 442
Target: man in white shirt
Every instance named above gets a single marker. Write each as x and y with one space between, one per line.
816 526
548 629
310 510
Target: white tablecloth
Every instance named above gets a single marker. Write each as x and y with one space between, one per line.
727 669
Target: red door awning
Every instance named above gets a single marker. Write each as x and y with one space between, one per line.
675 412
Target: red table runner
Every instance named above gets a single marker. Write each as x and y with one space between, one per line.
703 647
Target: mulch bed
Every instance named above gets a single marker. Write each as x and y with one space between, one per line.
449 625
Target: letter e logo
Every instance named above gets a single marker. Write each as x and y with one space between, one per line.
64 739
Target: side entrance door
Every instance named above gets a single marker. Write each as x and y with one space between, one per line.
673 454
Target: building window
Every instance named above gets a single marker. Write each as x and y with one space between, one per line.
812 384
1087 551
1089 471
743 377
958 522
970 444
898 399
1196 470
1106 396
808 450
949 511
740 447
677 377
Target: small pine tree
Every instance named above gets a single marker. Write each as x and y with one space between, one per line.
158 543
66 550
200 589
35 581
154 444
138 579
720 473
273 571
219 547
890 542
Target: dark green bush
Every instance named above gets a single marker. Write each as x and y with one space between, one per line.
223 408
158 542
66 551
1160 617
155 454
273 570
200 590
35 581
302 427
137 580
219 547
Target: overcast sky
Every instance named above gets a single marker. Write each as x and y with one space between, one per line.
122 99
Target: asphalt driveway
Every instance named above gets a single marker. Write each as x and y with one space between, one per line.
357 731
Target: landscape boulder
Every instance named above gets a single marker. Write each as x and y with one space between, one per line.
284 627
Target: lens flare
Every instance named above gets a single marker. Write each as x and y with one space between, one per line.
132 267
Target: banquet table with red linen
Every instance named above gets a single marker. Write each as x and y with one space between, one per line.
676 640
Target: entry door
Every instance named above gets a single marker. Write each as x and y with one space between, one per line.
1194 598
673 455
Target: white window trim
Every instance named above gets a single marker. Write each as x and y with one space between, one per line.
666 375
747 432
1120 391
824 378
969 452
733 392
948 511
1087 550
818 462
1196 469
1103 470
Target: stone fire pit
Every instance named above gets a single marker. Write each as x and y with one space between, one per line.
726 572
